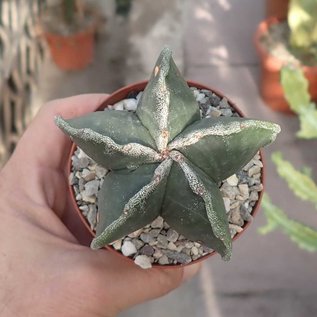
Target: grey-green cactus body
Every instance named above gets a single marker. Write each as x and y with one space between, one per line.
165 160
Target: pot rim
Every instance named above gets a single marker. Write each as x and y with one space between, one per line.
119 95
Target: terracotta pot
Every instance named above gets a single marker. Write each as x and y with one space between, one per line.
121 94
72 52
270 87
277 8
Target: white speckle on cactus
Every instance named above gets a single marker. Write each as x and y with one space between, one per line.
160 173
221 129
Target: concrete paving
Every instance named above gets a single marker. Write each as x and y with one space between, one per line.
268 275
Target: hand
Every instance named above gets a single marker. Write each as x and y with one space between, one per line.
44 270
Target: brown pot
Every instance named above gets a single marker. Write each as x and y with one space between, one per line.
72 52
270 88
277 8
121 94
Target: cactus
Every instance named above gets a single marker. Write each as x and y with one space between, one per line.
165 160
302 20
295 86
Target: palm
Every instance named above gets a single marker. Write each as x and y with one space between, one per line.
54 275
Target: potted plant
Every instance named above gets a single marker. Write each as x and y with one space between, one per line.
300 182
280 42
277 8
170 169
69 28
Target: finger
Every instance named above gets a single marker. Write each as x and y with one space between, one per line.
131 285
43 143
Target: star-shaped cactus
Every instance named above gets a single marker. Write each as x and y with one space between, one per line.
165 160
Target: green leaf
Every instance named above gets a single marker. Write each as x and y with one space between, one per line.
308 123
128 201
222 146
300 183
302 22
167 105
114 139
304 236
194 207
295 86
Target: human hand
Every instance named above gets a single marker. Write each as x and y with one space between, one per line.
44 270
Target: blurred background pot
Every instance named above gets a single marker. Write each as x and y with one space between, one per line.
69 28
277 8
270 87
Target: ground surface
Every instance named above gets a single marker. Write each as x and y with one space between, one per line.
268 275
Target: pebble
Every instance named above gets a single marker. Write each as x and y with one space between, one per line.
224 104
88 175
163 241
157 254
72 179
143 261
100 171
92 216
254 170
229 191
226 112
119 106
172 246
172 235
136 233
147 250
138 243
214 113
163 260
235 217
128 248
233 180
91 188
194 250
130 104
235 204
254 196
80 163
117 244
227 202
180 257
139 96
244 190
154 232
157 223
146 237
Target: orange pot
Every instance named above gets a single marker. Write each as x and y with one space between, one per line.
270 87
120 95
72 52
277 8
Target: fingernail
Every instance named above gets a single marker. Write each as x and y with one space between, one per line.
190 271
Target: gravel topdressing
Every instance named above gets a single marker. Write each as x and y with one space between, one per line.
157 243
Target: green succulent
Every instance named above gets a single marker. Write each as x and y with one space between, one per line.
165 160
